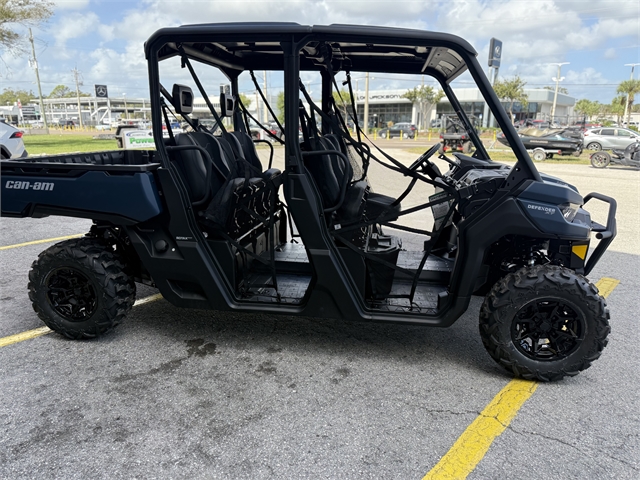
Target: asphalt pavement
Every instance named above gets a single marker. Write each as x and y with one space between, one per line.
175 393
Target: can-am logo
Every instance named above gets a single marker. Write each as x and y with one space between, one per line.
540 208
17 185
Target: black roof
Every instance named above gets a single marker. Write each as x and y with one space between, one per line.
236 47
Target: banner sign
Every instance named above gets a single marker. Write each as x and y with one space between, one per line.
495 52
101 91
138 139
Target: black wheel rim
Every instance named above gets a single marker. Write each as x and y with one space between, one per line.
548 329
71 294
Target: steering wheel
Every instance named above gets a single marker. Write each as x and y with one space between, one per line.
428 167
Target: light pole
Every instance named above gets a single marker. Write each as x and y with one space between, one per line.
126 113
366 104
557 79
626 104
43 114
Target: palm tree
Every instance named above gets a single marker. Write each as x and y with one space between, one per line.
629 88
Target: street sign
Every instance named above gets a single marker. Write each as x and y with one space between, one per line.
101 91
495 52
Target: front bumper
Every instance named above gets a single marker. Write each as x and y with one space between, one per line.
605 234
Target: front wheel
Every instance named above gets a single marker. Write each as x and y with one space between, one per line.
79 288
544 322
383 134
600 159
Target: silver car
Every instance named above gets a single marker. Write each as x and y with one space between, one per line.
607 138
11 144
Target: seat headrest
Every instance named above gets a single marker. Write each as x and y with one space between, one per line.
182 98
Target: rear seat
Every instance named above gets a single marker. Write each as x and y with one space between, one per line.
220 202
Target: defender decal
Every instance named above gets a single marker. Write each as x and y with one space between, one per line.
547 210
18 185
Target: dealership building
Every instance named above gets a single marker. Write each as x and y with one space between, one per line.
384 106
390 106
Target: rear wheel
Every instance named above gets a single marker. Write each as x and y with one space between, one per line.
595 146
539 155
79 288
600 159
544 322
466 147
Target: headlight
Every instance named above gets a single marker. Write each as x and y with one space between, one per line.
569 210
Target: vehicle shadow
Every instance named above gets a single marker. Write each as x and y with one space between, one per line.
300 336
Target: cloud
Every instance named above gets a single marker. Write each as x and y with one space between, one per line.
108 45
70 4
73 25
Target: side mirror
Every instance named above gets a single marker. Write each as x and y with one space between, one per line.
182 99
227 104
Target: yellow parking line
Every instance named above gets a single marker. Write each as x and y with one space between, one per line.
21 337
606 285
46 240
36 332
473 444
150 298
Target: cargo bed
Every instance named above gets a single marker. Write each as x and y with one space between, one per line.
114 185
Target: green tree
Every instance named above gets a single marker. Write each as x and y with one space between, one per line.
25 13
629 88
9 96
616 107
512 91
246 101
587 108
343 102
62 91
560 89
426 97
280 107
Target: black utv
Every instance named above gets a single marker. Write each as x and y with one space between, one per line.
206 220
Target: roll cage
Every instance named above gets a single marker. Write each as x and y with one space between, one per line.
331 289
292 48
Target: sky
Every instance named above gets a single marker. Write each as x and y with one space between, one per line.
104 39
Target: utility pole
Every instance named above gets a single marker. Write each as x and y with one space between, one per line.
366 104
557 79
265 112
76 75
627 115
43 114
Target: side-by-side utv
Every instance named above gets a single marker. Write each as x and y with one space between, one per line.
206 221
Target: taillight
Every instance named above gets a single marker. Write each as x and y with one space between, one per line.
440 135
17 134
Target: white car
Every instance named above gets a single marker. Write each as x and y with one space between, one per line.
11 144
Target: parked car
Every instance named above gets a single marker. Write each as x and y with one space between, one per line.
607 138
11 144
65 122
406 130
